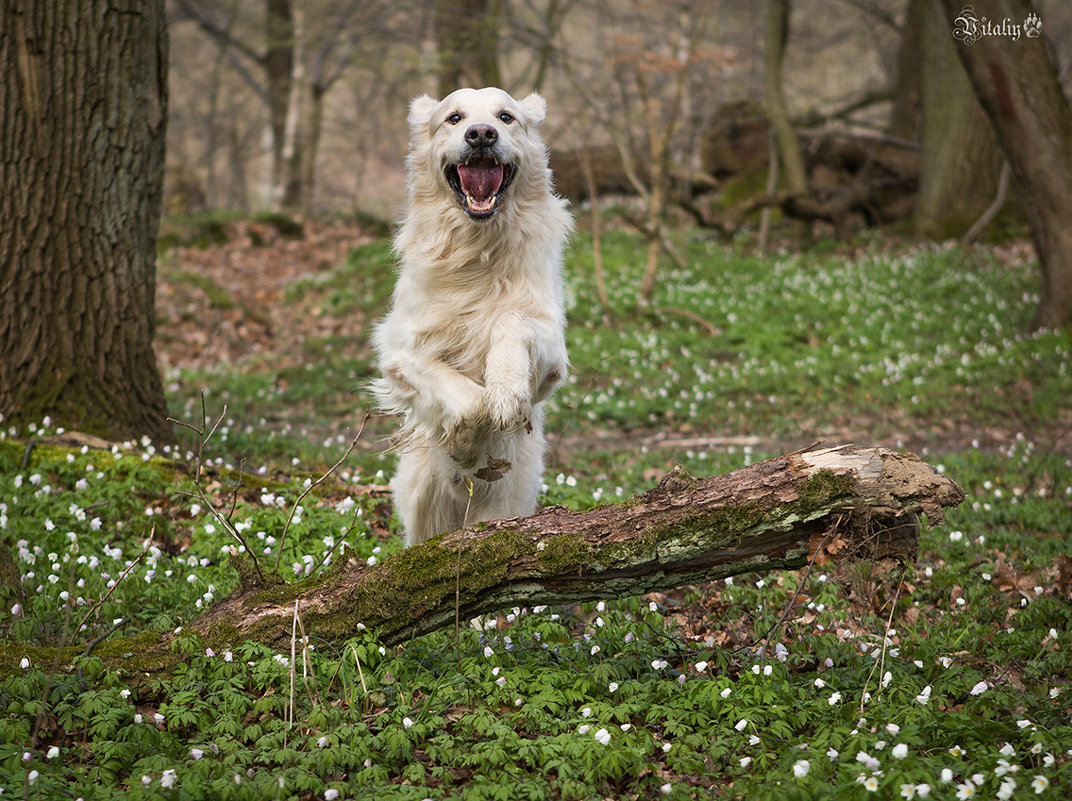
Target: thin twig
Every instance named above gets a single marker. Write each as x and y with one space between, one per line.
342 541
800 586
881 662
360 673
317 483
1000 196
202 440
711 329
118 581
772 185
307 667
458 580
293 670
237 487
98 640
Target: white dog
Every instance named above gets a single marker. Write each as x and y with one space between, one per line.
475 337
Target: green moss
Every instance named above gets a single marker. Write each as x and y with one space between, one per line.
250 577
561 553
12 653
724 527
741 188
128 647
642 547
287 226
195 230
420 577
821 488
218 297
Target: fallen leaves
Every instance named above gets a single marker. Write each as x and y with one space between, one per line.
824 547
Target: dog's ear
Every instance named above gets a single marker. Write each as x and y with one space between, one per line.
419 111
535 107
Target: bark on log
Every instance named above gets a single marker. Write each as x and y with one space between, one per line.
768 516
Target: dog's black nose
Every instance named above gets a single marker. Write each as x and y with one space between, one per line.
481 135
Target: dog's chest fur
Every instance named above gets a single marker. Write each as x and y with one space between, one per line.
461 311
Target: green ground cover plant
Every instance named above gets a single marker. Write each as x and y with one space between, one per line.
948 678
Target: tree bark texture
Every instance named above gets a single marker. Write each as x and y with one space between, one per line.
777 514
961 160
83 110
905 109
776 37
467 35
281 38
1017 84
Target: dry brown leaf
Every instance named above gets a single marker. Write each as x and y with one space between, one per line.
823 548
1063 565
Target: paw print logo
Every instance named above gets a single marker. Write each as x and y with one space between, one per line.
1032 26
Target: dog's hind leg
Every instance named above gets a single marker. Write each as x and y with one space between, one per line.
516 492
429 495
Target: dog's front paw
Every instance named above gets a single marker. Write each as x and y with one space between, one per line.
510 411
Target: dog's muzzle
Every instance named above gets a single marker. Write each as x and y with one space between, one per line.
481 178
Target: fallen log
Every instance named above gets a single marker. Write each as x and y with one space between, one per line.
834 503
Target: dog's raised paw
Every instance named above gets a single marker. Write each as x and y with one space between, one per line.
510 412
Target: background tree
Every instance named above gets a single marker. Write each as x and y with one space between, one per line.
290 59
83 110
1018 86
650 106
907 84
961 161
785 138
467 37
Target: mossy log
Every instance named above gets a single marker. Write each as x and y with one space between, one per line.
833 504
843 503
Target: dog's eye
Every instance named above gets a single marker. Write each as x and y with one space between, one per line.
506 117
454 118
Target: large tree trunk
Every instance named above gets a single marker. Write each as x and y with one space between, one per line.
907 84
824 505
83 109
961 160
1018 87
467 35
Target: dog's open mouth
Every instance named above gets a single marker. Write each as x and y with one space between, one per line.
480 182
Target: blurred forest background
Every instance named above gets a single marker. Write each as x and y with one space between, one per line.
300 107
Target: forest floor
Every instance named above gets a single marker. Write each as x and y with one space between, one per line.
950 673
230 302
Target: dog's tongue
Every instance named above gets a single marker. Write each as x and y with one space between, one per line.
481 179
